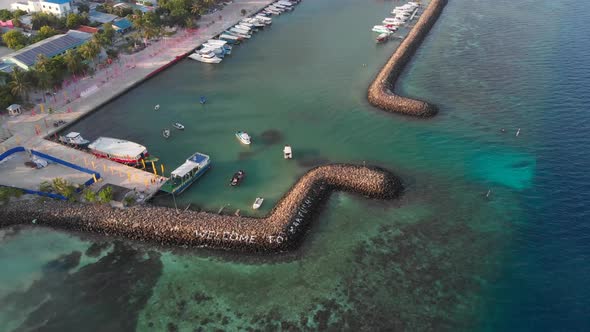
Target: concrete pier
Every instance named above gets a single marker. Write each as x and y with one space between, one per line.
281 230
381 92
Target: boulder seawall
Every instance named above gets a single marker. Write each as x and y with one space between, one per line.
381 92
281 230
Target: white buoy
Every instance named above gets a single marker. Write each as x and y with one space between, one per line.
518 132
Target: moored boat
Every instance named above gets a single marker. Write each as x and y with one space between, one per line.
119 150
230 38
187 173
287 152
382 38
237 178
166 133
178 126
243 137
257 203
75 139
206 58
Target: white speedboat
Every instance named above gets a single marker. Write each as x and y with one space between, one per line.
206 58
257 203
264 19
178 126
287 152
166 133
252 22
381 29
218 51
243 137
382 37
157 107
248 29
240 30
239 33
230 38
74 138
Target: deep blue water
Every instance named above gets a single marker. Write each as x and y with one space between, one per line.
488 65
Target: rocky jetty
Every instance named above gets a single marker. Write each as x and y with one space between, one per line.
280 230
381 92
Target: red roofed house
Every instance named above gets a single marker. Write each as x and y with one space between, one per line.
87 29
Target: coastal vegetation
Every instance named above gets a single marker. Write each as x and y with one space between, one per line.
8 192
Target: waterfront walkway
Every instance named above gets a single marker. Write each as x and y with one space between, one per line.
89 93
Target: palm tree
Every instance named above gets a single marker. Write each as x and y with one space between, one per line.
20 84
89 50
196 8
44 81
73 61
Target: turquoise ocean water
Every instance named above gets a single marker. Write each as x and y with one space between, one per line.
442 257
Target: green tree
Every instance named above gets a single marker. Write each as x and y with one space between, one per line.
83 8
73 21
20 84
105 195
89 50
6 97
5 15
15 39
89 195
64 188
73 62
105 37
45 32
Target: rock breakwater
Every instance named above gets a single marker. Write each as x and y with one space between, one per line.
280 230
381 92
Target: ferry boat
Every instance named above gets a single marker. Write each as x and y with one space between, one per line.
119 150
75 139
206 58
237 178
187 173
243 137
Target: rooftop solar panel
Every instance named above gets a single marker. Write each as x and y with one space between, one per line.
49 47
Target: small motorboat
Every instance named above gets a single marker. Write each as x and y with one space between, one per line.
157 107
243 137
178 126
202 100
237 178
75 139
382 38
287 152
166 133
257 203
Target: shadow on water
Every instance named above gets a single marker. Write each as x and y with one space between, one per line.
117 286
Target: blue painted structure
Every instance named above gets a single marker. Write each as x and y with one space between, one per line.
55 160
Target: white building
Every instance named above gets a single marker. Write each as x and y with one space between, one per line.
55 7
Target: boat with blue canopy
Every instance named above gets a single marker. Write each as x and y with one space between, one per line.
182 177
